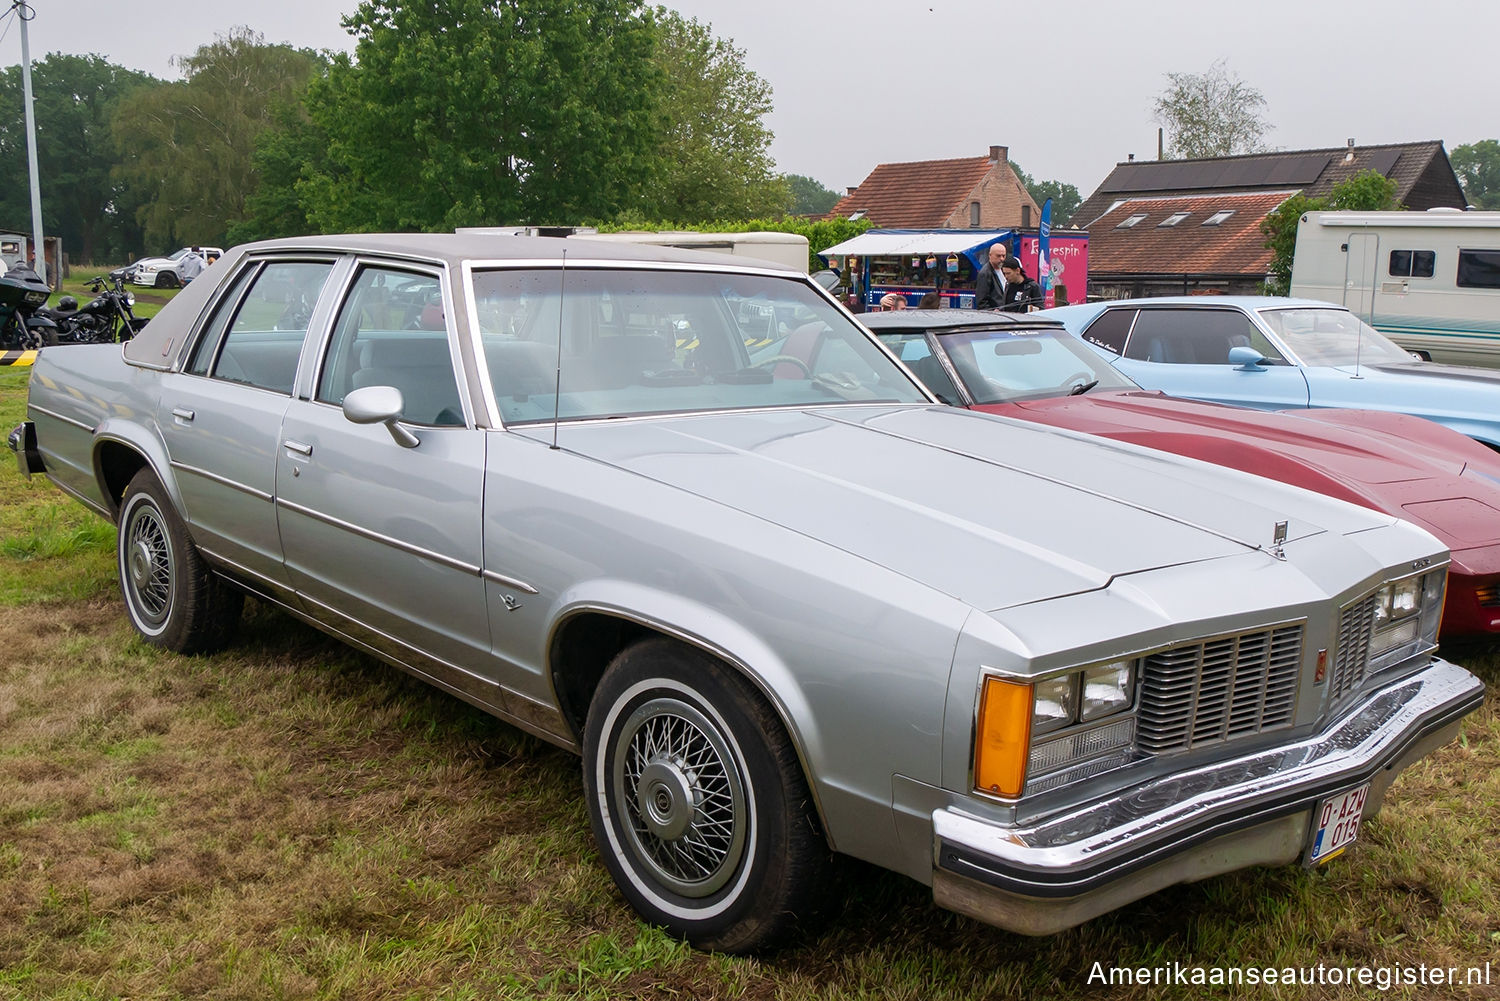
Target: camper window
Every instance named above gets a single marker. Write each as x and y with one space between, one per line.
1479 269
1412 263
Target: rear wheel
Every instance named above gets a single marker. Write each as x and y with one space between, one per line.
171 596
697 800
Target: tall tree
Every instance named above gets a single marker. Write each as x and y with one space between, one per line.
1478 168
715 108
472 112
187 146
75 98
1065 197
1214 113
1367 191
809 197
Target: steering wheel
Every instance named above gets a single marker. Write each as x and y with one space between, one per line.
774 359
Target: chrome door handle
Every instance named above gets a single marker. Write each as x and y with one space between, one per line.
182 413
298 447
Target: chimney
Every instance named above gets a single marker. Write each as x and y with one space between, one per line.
853 188
1130 158
1349 156
999 154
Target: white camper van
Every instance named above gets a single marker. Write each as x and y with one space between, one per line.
1430 281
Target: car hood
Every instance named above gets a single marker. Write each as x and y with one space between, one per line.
154 262
1408 468
1236 436
991 511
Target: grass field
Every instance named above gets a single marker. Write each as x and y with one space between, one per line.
292 820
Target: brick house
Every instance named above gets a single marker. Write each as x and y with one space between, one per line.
1174 227
979 192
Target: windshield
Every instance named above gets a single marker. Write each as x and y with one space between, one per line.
655 342
1007 365
180 254
1332 337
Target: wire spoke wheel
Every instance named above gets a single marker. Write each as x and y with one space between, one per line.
148 564
684 799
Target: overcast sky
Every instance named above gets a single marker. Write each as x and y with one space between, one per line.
1068 86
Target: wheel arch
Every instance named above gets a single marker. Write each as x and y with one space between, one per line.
121 451
589 632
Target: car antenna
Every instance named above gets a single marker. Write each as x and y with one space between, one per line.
557 387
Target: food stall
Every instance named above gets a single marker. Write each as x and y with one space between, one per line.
912 263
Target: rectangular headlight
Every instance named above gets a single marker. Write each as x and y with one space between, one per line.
1056 703
1106 690
1406 611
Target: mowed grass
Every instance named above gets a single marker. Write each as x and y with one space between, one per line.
289 819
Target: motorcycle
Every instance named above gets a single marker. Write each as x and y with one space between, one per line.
107 318
23 323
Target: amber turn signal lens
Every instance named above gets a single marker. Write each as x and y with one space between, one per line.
1003 742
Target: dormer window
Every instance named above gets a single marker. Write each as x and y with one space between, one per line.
1173 219
1130 221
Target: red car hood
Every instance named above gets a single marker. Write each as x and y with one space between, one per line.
1414 469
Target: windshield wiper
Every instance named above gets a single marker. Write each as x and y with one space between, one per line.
1082 387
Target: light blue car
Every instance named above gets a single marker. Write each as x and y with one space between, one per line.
1280 354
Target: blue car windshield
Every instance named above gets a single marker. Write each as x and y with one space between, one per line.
1332 337
661 342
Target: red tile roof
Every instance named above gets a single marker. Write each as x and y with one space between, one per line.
1234 247
922 194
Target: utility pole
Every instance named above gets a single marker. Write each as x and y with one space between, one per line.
24 13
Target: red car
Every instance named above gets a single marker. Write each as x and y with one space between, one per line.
1030 368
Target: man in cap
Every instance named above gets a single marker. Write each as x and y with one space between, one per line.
1022 294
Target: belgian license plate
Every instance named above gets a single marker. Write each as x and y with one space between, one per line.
1336 824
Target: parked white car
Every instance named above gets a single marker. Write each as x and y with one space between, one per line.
161 272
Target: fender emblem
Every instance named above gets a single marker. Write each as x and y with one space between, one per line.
1420 564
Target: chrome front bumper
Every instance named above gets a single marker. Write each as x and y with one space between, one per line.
1253 810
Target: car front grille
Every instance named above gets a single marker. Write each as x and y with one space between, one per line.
1352 659
1219 690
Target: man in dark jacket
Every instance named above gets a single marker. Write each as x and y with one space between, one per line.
1022 294
989 289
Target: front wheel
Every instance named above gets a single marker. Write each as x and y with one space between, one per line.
697 800
167 279
171 596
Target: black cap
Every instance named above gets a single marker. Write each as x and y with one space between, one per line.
1011 262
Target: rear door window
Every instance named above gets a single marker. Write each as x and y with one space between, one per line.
256 337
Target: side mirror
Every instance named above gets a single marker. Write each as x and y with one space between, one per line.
380 405
1247 359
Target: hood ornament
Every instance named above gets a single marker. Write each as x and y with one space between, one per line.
1278 539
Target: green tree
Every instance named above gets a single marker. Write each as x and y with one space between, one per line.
472 112
1367 191
1214 113
1065 197
715 109
809 197
1478 168
75 98
187 147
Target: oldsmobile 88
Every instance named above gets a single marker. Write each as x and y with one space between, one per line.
781 608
